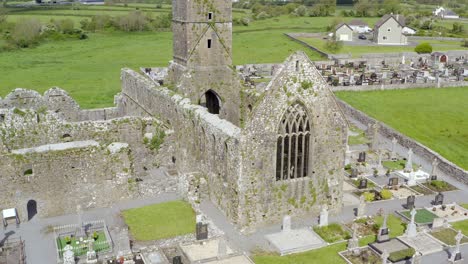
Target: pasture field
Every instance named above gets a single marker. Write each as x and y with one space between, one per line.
434 117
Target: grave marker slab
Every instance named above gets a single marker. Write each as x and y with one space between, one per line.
410 202
202 231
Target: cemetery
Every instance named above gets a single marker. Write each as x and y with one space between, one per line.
423 216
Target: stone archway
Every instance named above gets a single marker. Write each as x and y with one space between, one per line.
211 101
32 209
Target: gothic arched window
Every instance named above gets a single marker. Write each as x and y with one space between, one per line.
292 149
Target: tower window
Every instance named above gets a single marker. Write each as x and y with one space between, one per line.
210 15
209 43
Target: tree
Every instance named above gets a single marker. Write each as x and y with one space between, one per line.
391 6
423 48
363 8
334 45
3 15
26 33
457 28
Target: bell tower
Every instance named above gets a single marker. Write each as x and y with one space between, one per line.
202 62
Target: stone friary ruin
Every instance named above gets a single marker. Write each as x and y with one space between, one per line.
257 152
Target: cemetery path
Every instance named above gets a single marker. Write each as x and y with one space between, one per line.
38 234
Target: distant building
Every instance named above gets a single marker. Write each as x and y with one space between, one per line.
389 30
92 2
359 26
409 31
445 13
343 32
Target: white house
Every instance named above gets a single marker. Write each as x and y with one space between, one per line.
359 26
389 30
343 32
408 31
445 13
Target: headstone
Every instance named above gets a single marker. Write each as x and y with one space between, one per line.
383 234
354 172
353 242
177 260
409 162
375 136
222 248
362 184
379 163
347 155
411 230
393 153
362 206
201 231
362 157
435 162
324 216
79 212
439 199
393 182
456 255
412 179
68 255
286 223
385 256
438 222
410 202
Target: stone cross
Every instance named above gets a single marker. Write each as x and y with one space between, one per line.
458 238
403 59
412 179
353 242
417 258
324 216
435 162
384 225
393 154
411 229
79 212
286 223
362 206
385 256
375 136
379 165
409 162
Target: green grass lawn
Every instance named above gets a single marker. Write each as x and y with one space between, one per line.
461 225
332 233
160 221
396 165
447 235
357 51
395 224
423 216
436 118
464 205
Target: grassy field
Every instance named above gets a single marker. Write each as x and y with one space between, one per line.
461 225
436 118
357 51
160 221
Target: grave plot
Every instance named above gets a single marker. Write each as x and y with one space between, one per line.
447 236
81 239
402 192
423 243
452 212
423 216
363 255
332 233
374 194
397 249
439 186
421 189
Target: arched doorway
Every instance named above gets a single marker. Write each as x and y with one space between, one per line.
32 209
443 58
211 101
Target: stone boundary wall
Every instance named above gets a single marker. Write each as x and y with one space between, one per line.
295 36
445 166
361 88
434 38
56 100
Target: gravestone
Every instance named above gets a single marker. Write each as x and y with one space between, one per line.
201 231
375 136
68 255
393 182
409 161
353 242
385 256
362 206
411 230
412 179
435 162
456 254
354 173
362 157
417 258
393 153
433 177
324 216
286 223
438 222
177 260
383 234
362 184
410 202
379 163
439 199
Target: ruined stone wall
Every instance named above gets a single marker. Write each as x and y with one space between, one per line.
60 180
55 100
444 165
205 145
265 199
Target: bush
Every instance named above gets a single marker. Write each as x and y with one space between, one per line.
401 254
439 185
65 26
369 196
157 139
334 45
134 21
3 16
26 33
423 48
386 194
465 43
332 232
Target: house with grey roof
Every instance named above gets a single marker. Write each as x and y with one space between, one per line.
445 13
359 26
343 32
389 30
